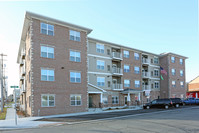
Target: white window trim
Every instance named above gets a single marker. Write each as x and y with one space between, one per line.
101 82
173 61
75 99
47 69
47 28
137 84
100 64
115 99
129 67
46 45
136 57
125 54
158 73
135 71
182 73
47 99
100 48
154 60
158 84
75 35
129 82
75 54
75 76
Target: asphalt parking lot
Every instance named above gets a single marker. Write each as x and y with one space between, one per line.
109 115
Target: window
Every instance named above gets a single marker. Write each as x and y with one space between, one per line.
126 68
156 72
181 73
172 59
75 77
115 99
173 83
137 83
100 48
105 100
74 35
47 29
126 83
126 54
29 76
136 70
136 56
109 84
151 86
181 61
100 65
173 71
75 100
47 75
47 52
156 84
47 100
182 84
75 56
156 60
29 98
29 53
100 81
108 67
151 60
108 52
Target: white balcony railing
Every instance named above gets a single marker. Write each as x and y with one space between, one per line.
117 86
23 88
23 54
145 61
116 55
117 71
145 75
146 87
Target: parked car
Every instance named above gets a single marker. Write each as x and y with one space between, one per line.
191 100
159 103
177 102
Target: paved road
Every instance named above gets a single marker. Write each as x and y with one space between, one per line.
183 120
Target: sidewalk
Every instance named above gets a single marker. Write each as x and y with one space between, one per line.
28 122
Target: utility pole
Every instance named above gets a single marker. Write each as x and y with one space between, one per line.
2 85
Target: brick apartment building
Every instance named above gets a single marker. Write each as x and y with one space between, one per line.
193 88
62 70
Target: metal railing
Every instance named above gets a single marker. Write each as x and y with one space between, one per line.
145 61
117 86
145 74
145 87
117 70
116 55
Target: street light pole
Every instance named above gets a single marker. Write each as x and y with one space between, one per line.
15 107
2 86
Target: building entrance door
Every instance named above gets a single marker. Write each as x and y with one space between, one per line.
125 100
90 101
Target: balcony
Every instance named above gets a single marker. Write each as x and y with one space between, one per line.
145 75
116 55
146 87
145 61
23 73
117 71
21 78
22 89
21 63
118 87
